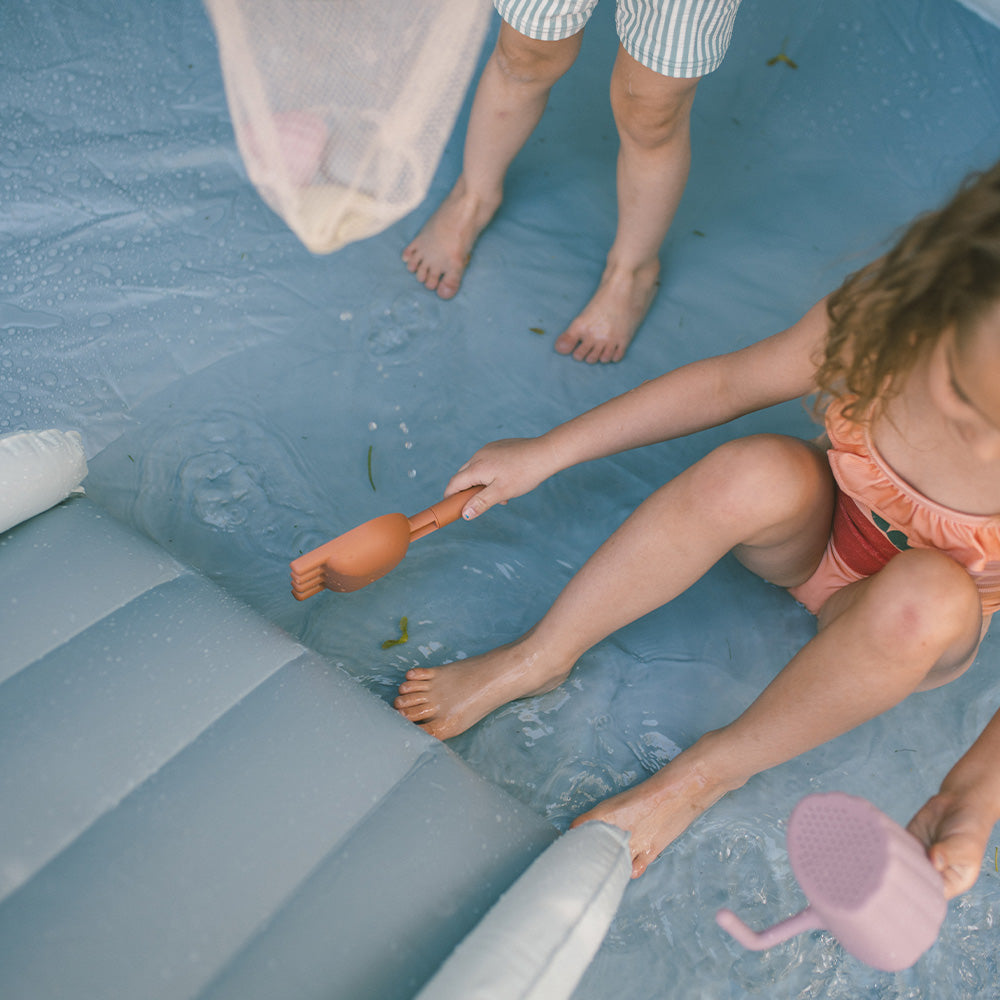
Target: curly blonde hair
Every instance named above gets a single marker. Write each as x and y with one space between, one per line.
943 273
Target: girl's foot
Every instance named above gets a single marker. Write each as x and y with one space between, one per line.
658 810
445 701
605 328
440 252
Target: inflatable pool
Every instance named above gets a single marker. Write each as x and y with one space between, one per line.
203 791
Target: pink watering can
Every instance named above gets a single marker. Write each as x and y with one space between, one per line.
868 882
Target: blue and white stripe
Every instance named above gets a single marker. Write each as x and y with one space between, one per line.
680 38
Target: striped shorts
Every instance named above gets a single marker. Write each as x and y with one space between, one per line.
680 38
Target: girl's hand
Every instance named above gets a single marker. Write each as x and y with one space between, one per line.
506 469
955 835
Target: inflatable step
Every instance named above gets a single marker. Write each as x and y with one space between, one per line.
192 804
66 569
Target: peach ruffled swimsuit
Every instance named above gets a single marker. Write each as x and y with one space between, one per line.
878 515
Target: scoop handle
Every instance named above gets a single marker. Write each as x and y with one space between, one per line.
806 920
439 514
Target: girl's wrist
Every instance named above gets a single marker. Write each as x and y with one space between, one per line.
980 798
556 450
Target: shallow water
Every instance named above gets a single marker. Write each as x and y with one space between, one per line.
230 388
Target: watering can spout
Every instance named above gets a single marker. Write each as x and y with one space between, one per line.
805 920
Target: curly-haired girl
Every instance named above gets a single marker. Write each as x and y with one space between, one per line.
889 532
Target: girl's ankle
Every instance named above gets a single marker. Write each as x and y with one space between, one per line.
717 764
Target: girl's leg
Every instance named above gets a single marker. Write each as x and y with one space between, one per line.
652 113
508 104
771 493
913 625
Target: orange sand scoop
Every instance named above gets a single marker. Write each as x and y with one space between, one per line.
367 552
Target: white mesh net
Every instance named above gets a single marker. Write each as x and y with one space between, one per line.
341 108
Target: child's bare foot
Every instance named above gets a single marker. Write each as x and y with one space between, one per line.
603 331
440 252
445 701
659 809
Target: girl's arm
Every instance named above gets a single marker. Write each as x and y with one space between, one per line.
692 398
955 825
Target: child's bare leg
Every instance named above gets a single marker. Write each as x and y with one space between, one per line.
508 104
913 625
652 113
766 491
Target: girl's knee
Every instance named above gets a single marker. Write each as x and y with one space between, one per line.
925 600
770 472
528 60
651 116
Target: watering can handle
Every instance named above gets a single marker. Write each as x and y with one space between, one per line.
805 920
439 514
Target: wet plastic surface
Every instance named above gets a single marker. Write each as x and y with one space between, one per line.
230 389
